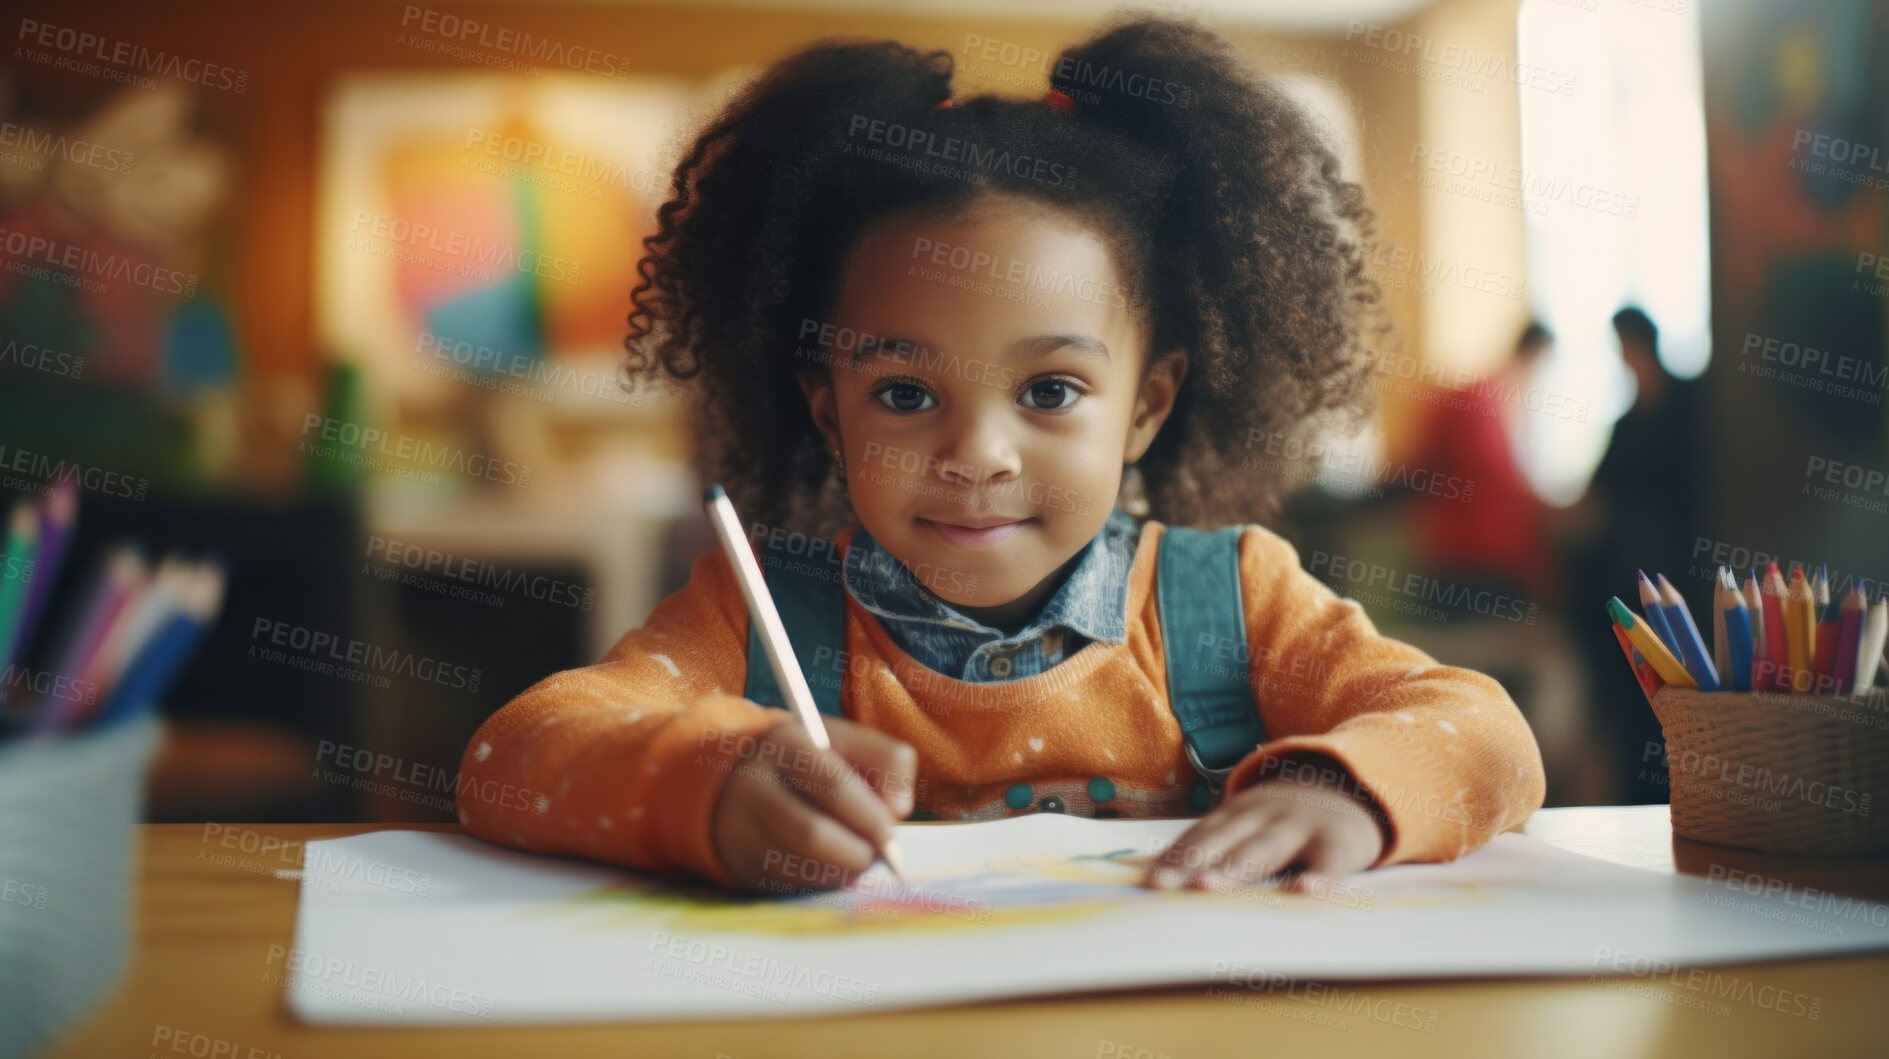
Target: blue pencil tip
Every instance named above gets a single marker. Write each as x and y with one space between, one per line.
713 493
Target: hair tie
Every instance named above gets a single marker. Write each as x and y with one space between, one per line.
1059 100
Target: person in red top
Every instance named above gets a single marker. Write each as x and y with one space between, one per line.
1490 527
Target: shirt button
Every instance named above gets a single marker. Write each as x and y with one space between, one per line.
1000 666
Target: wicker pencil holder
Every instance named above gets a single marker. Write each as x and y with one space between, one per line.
1780 773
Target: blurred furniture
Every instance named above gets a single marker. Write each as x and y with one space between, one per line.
604 536
207 931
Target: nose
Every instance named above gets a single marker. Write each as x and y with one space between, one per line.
979 450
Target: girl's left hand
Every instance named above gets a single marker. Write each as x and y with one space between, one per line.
1313 822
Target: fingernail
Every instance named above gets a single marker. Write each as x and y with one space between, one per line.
1166 878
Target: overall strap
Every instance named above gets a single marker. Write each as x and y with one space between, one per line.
813 608
1203 632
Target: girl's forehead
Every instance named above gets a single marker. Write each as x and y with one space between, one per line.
989 278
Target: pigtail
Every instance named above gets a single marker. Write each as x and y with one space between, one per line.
1258 256
722 279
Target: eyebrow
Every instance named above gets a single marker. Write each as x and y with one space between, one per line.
1034 346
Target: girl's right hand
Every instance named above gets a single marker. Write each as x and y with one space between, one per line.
794 818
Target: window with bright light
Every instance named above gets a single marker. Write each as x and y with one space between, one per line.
1614 181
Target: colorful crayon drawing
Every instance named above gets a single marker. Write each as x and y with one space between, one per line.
1014 890
1008 891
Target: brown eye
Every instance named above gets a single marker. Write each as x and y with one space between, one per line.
1051 394
904 397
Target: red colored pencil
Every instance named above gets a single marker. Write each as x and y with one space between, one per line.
1775 649
1642 670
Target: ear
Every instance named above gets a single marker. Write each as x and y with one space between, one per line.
1154 402
818 388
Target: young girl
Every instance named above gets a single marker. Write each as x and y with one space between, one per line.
965 339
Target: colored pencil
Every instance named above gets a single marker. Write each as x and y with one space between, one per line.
1721 651
1737 623
1656 618
198 597
18 569
134 624
1826 653
1692 647
790 677
123 577
1754 611
1849 637
1649 680
55 532
1869 654
1776 640
1649 646
1800 630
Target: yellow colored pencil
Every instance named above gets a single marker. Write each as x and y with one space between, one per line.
1650 648
1800 628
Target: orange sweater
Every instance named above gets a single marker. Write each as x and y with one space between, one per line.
623 760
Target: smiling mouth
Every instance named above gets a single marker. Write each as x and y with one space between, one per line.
976 536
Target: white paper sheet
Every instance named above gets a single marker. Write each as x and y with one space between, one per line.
421 927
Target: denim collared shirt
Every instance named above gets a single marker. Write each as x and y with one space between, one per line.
1091 604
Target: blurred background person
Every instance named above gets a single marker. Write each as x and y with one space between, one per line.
1640 512
1483 526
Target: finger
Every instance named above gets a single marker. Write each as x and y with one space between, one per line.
1330 856
827 782
1262 855
1205 844
888 765
800 848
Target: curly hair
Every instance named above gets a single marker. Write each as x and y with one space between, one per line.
1223 206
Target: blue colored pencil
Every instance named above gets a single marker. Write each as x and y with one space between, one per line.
1655 616
162 657
1698 660
1737 632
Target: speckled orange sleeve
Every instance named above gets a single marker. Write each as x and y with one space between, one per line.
622 761
1443 751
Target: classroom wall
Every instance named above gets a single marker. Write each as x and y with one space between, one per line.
263 257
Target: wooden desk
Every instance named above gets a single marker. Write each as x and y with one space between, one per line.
200 973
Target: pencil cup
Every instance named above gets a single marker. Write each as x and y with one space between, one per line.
69 810
1780 773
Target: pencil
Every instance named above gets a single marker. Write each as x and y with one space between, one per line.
1737 622
780 652
135 622
1849 637
1776 641
55 530
17 572
1649 680
1800 630
1754 612
1692 647
1650 648
1721 650
122 579
1869 654
157 663
1656 618
1825 664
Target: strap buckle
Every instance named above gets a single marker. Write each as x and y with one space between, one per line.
1216 778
